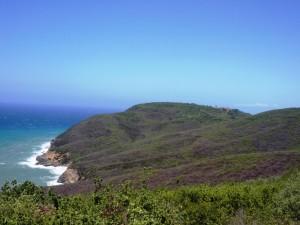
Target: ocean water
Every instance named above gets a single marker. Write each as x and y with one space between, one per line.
26 132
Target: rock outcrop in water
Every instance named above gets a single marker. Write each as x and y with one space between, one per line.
52 158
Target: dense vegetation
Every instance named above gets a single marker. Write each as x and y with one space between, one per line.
183 144
268 201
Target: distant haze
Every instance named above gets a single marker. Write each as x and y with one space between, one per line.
114 54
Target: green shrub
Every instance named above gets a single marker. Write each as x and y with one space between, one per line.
271 201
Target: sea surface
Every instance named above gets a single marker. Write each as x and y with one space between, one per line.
26 131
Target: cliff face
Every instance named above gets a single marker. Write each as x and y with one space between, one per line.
173 143
52 158
70 176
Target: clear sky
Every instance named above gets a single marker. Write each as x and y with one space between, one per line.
115 53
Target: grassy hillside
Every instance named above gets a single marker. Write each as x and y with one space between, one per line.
183 144
268 202
198 151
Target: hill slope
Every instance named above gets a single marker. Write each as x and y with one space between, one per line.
182 144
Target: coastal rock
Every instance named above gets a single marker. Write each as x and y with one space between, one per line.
70 176
51 158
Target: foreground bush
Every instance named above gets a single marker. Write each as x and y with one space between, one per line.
275 201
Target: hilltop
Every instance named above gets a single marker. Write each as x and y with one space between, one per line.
180 144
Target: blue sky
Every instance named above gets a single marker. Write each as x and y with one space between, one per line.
232 53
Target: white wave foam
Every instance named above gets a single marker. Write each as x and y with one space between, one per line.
2 163
56 171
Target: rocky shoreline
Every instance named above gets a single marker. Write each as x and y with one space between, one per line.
52 158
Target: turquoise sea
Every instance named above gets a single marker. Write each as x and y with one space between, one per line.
25 132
